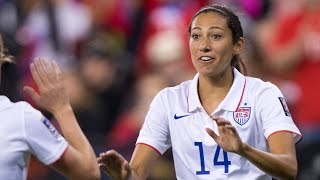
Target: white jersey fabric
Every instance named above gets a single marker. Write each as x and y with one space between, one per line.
177 119
25 131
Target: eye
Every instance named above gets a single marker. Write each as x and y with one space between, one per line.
216 36
195 36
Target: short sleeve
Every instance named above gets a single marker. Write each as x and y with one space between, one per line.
45 142
155 130
274 112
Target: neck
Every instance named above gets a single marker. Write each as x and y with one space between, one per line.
212 90
215 84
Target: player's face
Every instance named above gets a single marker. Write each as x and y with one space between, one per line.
211 44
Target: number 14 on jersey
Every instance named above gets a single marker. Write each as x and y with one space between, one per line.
216 162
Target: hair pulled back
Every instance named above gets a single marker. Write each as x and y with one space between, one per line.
3 56
233 23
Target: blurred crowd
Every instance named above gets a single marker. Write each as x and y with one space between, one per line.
116 55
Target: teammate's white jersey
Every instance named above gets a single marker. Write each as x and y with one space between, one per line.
25 131
176 118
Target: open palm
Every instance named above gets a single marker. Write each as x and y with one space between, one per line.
52 95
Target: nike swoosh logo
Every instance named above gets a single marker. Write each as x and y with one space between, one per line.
178 117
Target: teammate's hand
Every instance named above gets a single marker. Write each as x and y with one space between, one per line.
229 139
114 165
52 95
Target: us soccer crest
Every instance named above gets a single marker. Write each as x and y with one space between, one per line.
242 115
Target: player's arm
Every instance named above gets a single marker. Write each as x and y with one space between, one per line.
281 162
79 160
155 124
113 164
142 160
281 134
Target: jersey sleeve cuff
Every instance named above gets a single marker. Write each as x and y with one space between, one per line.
297 136
57 155
149 142
155 149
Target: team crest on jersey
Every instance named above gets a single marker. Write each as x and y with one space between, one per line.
242 115
51 128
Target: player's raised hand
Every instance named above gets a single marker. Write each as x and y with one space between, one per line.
52 95
229 139
114 165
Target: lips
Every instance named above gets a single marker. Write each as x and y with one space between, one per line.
206 58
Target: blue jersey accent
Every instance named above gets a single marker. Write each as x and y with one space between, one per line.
202 163
178 117
225 161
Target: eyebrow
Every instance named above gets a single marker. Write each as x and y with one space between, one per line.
213 27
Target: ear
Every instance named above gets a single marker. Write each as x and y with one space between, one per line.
239 46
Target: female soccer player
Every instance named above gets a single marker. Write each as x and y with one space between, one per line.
25 131
220 125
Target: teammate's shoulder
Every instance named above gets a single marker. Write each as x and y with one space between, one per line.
6 103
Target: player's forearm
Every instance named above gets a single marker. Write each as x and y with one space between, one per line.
138 172
135 176
277 165
142 161
73 133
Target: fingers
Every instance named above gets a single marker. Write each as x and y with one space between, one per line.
224 125
36 76
212 134
110 158
114 164
41 70
49 70
104 162
44 72
32 93
221 122
111 154
56 70
105 169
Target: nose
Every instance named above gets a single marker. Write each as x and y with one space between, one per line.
205 45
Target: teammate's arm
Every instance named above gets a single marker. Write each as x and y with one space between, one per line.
79 160
117 167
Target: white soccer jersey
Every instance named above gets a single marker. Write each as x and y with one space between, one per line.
176 118
24 131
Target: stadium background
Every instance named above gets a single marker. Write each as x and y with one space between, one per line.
117 55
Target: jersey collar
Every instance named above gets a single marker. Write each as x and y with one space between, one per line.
193 98
230 103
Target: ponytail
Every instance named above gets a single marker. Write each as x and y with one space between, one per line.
3 56
238 63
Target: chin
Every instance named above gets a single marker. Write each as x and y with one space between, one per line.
206 73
